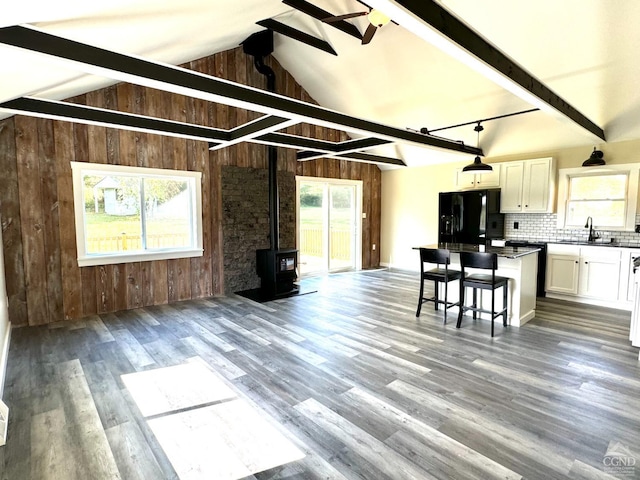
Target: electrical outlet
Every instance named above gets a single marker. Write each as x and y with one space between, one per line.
374 246
516 225
364 214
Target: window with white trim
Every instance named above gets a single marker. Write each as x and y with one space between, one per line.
608 195
129 214
602 197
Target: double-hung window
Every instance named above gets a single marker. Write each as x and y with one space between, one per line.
607 195
602 197
128 214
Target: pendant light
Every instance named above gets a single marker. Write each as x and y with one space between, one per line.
595 160
477 167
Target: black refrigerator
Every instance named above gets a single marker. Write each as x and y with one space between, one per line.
472 216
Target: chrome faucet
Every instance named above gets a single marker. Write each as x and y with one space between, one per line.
592 235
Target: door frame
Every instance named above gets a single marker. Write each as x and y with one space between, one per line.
358 214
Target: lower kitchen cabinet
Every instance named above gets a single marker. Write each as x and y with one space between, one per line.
627 277
599 276
590 272
562 274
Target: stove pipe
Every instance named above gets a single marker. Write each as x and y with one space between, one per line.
259 45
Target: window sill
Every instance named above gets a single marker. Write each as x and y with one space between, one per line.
93 260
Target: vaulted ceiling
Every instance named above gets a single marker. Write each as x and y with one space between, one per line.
582 50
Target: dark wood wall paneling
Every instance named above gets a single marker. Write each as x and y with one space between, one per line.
44 282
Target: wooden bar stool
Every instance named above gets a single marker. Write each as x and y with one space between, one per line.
486 261
437 256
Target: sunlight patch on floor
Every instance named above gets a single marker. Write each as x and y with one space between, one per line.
169 389
203 427
230 440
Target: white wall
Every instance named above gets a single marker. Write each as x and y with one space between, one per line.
5 326
410 211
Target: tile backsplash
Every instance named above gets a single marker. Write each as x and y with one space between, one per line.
543 227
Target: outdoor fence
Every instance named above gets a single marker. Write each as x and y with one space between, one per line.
124 242
311 243
311 240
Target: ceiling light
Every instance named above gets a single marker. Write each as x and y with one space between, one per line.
595 160
377 18
477 167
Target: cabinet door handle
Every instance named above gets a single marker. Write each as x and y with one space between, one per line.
576 261
526 205
518 206
586 263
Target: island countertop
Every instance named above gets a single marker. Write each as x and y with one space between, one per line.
507 252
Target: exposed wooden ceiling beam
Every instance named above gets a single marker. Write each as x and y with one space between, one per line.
182 81
317 145
296 34
433 23
367 158
72 112
257 131
320 14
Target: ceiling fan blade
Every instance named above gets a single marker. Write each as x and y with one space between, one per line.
368 34
337 18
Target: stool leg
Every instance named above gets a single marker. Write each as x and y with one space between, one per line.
475 302
446 296
493 308
461 306
504 303
420 297
435 304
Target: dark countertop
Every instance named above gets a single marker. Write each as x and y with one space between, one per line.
596 244
507 252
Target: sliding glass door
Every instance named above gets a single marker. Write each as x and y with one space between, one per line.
328 225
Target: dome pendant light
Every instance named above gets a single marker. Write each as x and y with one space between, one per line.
595 160
477 167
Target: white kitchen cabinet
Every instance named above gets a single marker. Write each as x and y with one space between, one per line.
465 181
599 276
627 277
562 274
528 186
585 271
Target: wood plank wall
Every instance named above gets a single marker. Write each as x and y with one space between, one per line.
44 282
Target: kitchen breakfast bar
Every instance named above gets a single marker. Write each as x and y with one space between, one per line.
519 264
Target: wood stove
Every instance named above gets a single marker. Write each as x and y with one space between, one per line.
277 271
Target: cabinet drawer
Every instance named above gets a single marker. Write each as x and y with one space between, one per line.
604 253
563 249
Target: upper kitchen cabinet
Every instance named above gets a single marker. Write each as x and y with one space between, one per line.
528 186
465 181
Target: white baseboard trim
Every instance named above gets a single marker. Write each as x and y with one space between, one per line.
628 306
4 422
4 409
526 317
4 356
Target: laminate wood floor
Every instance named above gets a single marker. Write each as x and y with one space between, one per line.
347 376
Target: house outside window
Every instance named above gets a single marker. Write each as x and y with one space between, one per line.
128 214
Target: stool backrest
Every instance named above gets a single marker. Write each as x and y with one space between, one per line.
435 255
487 261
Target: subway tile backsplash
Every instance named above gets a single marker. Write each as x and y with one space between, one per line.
543 227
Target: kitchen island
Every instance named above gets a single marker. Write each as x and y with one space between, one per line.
519 264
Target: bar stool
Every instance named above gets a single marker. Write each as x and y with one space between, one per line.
437 256
486 261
